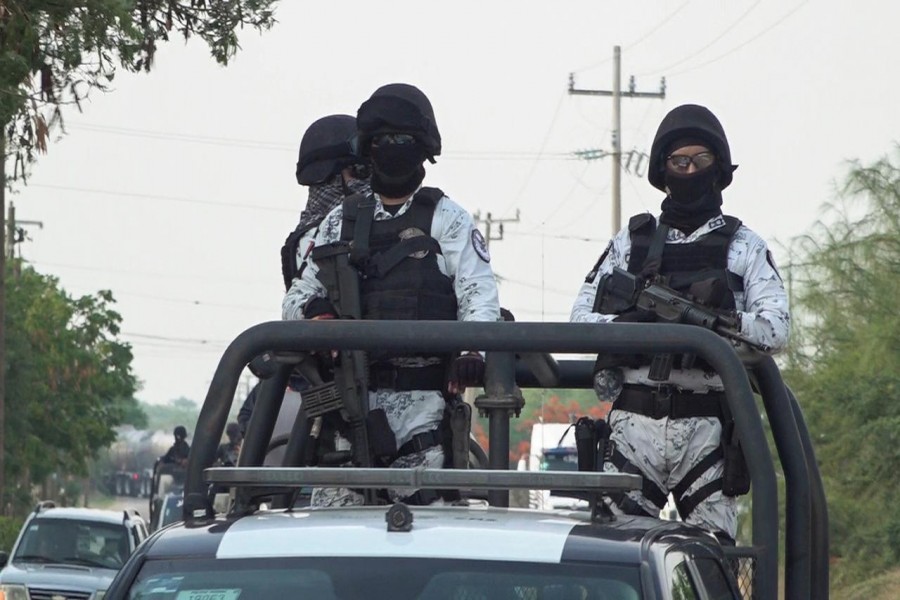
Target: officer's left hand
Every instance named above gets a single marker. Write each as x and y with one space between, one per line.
465 370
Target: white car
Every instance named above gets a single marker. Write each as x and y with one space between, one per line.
69 553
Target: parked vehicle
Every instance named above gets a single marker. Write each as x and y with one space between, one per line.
68 553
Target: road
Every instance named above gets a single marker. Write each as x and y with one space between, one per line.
142 505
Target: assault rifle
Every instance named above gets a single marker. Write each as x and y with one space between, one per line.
350 393
622 291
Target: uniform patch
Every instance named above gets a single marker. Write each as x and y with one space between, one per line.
480 245
413 232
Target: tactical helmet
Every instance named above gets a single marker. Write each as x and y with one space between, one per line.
232 430
689 121
327 147
180 432
399 108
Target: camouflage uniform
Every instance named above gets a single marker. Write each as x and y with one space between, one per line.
464 259
665 449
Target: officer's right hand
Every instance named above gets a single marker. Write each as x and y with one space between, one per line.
637 315
466 370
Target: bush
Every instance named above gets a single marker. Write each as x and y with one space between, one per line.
9 529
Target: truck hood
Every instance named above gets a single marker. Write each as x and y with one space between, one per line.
57 576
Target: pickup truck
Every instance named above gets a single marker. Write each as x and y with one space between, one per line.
267 544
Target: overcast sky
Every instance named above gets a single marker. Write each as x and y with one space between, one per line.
176 190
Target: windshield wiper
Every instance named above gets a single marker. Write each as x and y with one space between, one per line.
85 562
33 558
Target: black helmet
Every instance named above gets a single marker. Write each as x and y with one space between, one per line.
327 147
180 432
233 430
689 121
399 108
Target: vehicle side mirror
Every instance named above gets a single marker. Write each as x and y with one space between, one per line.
4 558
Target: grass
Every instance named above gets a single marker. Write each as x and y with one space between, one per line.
882 587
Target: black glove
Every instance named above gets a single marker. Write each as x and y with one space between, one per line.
636 316
466 370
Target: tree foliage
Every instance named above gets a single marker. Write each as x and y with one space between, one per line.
54 53
845 362
69 377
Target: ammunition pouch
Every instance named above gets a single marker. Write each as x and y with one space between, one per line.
736 478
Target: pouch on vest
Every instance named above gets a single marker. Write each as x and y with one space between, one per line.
616 294
736 475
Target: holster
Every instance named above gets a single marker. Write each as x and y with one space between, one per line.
592 443
382 441
736 475
460 424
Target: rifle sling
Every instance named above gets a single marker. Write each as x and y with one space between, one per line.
653 262
359 248
381 264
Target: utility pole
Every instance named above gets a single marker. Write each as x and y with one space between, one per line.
15 232
489 221
616 153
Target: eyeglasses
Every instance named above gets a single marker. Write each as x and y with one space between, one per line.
681 162
393 138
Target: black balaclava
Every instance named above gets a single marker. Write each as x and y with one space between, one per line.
693 199
397 169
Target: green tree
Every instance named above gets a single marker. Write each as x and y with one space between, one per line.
54 53
70 378
845 362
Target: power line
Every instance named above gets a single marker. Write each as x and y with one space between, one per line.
752 39
710 43
67 188
511 155
641 39
144 274
531 171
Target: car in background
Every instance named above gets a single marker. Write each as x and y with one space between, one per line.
69 553
170 509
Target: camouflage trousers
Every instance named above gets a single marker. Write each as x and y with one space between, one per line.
665 450
432 458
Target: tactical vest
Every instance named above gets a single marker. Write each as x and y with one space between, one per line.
397 259
683 265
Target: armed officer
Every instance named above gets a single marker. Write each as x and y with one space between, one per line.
667 423
422 258
329 165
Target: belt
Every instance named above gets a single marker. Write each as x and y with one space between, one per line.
668 401
421 441
389 377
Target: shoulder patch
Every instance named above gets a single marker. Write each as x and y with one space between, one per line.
480 246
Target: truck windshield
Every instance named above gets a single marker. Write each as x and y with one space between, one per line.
349 578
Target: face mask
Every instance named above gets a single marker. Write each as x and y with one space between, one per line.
397 169
688 189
